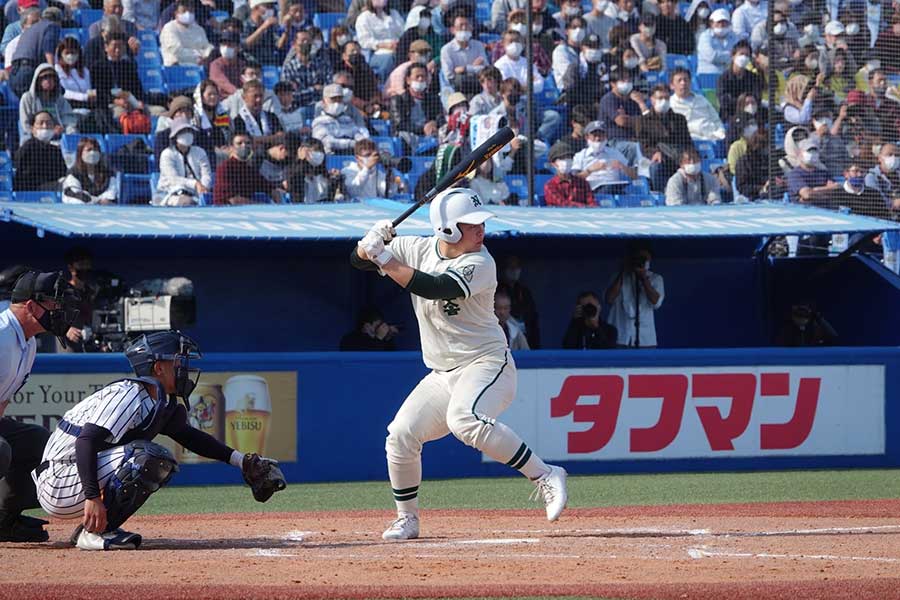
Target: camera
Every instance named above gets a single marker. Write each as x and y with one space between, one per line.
588 311
402 163
637 261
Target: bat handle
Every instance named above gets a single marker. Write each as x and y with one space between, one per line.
424 200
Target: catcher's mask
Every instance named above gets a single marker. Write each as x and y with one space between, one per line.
173 345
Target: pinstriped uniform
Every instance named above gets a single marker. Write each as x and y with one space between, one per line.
119 408
473 377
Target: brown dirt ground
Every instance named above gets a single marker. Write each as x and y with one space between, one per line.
800 551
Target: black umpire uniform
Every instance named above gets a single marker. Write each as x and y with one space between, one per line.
22 444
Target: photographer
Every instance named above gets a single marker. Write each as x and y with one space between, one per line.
633 296
367 177
586 331
80 265
372 333
806 327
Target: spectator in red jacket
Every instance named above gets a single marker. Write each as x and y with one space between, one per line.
238 178
565 189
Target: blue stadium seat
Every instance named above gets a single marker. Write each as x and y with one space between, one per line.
779 135
6 163
114 141
656 77
707 81
638 186
391 145
688 62
488 38
6 196
707 150
6 181
482 12
634 200
135 189
38 197
382 127
149 58
605 200
69 141
539 182
76 33
85 17
325 21
659 198
152 80
148 38
518 184
219 15
420 165
180 77
271 74
338 162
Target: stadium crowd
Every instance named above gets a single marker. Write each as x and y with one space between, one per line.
240 101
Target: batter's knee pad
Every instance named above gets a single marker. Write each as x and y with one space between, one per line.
469 427
146 468
5 457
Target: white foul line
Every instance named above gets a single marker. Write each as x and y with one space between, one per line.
697 553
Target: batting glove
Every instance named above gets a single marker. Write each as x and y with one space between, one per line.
373 246
385 228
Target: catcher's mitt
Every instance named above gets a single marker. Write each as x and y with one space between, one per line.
263 476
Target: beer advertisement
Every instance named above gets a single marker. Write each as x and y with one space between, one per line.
251 412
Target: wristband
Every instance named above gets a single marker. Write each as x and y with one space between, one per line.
383 258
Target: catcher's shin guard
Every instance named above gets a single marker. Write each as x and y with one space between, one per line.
147 467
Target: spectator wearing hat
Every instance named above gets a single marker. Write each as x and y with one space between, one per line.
836 41
180 108
226 70
418 111
419 28
378 29
564 188
307 73
747 16
620 108
262 125
748 127
39 164
260 33
335 127
462 57
37 45
184 169
143 13
15 27
663 134
89 181
489 98
456 129
182 41
690 185
46 95
603 167
238 179
740 78
419 53
702 119
116 77
809 182
650 49
714 45
673 30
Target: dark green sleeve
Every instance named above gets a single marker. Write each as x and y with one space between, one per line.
434 287
361 263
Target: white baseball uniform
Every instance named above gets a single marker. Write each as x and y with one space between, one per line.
473 377
119 407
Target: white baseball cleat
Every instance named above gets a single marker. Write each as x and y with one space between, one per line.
110 540
551 488
404 527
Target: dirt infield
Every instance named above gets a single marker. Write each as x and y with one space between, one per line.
809 550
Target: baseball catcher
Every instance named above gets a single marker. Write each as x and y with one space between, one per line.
101 463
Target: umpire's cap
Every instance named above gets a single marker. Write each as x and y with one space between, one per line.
34 285
160 345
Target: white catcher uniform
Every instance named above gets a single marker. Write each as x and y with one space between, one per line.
473 377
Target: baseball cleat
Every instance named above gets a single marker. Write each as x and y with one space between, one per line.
24 529
551 488
116 539
405 527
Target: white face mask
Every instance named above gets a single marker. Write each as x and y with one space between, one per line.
720 31
316 158
316 46
45 135
576 35
91 157
572 11
70 59
692 168
186 139
421 59
661 106
536 28
623 87
703 12
348 95
563 166
631 63
826 123
514 50
424 23
852 28
780 29
227 52
596 146
418 86
750 109
342 39
750 131
890 163
269 13
593 55
741 61
601 5
873 65
463 36
648 31
810 157
520 27
336 109
186 18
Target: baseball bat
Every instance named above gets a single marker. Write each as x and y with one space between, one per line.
467 165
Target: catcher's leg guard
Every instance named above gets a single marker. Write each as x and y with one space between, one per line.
146 468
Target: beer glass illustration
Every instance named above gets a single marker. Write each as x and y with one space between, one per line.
248 410
206 413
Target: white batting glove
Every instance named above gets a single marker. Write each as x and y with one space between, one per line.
385 228
373 246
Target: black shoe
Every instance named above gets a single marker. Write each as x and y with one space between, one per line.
19 532
32 522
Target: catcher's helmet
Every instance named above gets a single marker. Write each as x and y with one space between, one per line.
454 206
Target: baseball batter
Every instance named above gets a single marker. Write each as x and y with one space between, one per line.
452 278
100 463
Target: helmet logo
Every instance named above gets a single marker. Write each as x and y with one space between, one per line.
475 201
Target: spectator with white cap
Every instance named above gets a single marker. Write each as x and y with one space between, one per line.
334 127
747 16
184 169
835 40
715 44
261 32
809 182
603 166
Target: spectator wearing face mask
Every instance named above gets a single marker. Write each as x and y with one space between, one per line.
599 21
740 78
567 10
746 106
601 165
182 41
586 330
47 95
226 70
367 177
697 16
586 77
89 181
73 75
747 16
338 37
690 185
307 73
418 28
378 30
663 135
513 64
673 30
184 169
308 180
651 51
564 188
884 177
832 146
567 53
489 188
417 112
702 119
781 40
365 83
463 58
860 199
836 41
751 172
39 164
715 44
809 183
539 55
334 127
748 127
634 295
798 100
456 129
512 328
620 108
294 21
839 82
260 32
524 309
237 178
419 54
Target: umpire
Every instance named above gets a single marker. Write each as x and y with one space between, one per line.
39 302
